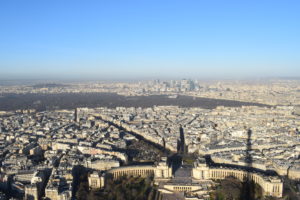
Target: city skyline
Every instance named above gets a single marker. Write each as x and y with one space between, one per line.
148 40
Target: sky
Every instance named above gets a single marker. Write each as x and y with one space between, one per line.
145 39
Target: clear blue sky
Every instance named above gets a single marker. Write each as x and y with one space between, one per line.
120 39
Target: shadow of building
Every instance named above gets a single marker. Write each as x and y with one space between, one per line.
181 146
248 192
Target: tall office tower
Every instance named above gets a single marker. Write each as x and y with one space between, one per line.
187 85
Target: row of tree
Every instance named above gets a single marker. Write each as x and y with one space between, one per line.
129 188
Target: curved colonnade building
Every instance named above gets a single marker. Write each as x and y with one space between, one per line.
271 185
201 177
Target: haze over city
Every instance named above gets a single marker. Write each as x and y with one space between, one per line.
149 39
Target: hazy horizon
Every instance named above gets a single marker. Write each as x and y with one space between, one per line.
136 40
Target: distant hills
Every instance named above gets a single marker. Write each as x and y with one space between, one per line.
49 85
